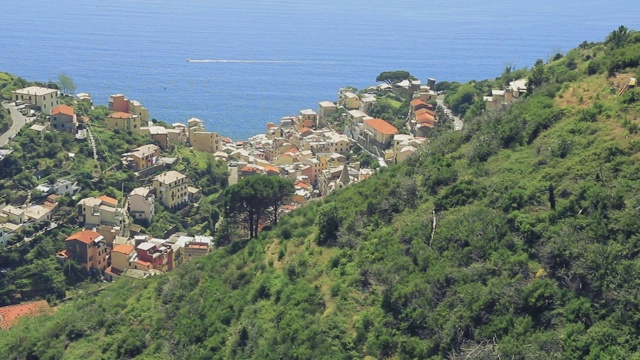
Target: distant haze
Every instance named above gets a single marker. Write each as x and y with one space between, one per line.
256 61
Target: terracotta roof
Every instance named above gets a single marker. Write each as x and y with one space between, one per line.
62 109
85 236
425 118
381 126
120 115
108 200
304 130
272 168
302 184
249 168
425 111
9 314
143 263
416 102
124 249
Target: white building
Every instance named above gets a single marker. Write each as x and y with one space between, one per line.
141 204
41 97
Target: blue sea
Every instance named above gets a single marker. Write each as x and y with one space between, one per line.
267 59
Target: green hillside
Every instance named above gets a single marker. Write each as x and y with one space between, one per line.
517 237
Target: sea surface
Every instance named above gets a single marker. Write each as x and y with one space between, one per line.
272 58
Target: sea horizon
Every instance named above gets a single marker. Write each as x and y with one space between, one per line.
255 62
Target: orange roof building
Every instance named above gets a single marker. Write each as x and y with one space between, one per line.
121 115
124 249
271 170
381 126
10 314
109 200
377 134
63 118
417 104
124 121
87 248
425 118
85 236
63 109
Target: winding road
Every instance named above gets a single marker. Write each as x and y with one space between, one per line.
457 123
18 122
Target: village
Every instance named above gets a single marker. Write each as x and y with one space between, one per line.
308 148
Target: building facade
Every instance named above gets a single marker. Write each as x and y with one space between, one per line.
171 188
102 210
87 248
124 121
43 98
63 118
141 204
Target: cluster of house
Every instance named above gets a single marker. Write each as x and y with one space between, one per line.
104 250
307 150
500 98
15 218
303 148
103 247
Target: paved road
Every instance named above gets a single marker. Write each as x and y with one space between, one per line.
457 123
18 122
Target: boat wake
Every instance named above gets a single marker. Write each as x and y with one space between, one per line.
244 61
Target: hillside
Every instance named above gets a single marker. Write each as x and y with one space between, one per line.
517 237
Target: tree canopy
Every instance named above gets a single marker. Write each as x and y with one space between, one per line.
391 77
66 84
256 200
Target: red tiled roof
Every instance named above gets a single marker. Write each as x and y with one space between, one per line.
9 314
120 115
304 130
416 102
249 168
425 118
62 109
272 168
303 184
143 263
124 249
85 236
381 126
108 200
425 111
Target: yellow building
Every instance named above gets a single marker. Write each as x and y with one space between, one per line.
350 100
121 255
44 98
171 189
142 157
206 141
124 121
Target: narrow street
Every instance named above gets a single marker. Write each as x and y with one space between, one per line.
457 123
18 122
